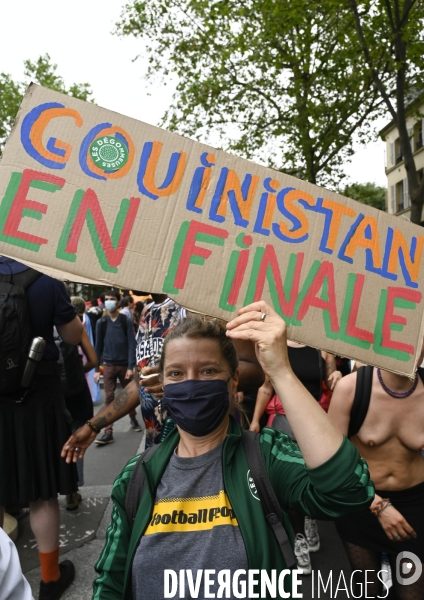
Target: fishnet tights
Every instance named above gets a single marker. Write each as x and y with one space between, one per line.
362 559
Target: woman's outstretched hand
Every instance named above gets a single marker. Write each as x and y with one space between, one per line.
78 443
260 323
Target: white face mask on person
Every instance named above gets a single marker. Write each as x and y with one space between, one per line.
110 305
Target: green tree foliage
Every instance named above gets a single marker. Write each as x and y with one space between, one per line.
10 100
390 34
43 71
278 81
367 193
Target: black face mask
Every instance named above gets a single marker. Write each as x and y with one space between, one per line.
198 406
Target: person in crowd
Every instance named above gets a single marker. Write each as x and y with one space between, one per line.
391 440
94 313
139 307
33 431
127 305
75 363
94 387
203 460
343 365
313 368
101 303
251 378
115 343
161 315
138 311
13 585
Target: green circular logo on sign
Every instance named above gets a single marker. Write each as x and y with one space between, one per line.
109 153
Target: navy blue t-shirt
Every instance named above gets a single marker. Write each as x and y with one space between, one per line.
48 304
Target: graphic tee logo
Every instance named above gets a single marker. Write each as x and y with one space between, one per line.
191 514
109 153
252 486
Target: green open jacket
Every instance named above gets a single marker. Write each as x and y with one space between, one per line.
335 489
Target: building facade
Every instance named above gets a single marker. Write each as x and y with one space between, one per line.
398 199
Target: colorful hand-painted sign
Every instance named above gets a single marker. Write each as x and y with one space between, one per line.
91 195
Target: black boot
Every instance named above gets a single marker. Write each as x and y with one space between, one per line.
54 589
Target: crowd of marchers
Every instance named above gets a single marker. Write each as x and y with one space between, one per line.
232 412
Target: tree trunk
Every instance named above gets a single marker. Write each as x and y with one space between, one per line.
417 202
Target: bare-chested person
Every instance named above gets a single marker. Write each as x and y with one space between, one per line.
391 439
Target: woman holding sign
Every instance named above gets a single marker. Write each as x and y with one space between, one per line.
383 415
198 506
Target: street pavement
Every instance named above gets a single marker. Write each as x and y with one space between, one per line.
83 531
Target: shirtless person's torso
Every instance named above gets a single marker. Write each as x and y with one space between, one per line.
391 439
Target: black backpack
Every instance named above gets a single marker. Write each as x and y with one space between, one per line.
15 329
362 398
270 506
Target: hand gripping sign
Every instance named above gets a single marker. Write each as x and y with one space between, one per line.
94 196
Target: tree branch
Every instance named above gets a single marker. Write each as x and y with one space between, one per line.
367 55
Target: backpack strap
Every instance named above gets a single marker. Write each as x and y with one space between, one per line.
23 279
420 372
361 400
103 327
27 277
269 502
123 320
137 484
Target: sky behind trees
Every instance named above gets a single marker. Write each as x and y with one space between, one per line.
78 37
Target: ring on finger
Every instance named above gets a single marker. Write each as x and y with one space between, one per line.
396 536
77 449
263 315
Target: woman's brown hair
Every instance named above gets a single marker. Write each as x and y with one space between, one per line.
199 326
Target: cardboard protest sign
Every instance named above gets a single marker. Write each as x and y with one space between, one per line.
94 196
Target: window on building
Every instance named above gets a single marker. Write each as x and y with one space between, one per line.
391 155
392 200
406 197
418 134
398 152
399 196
